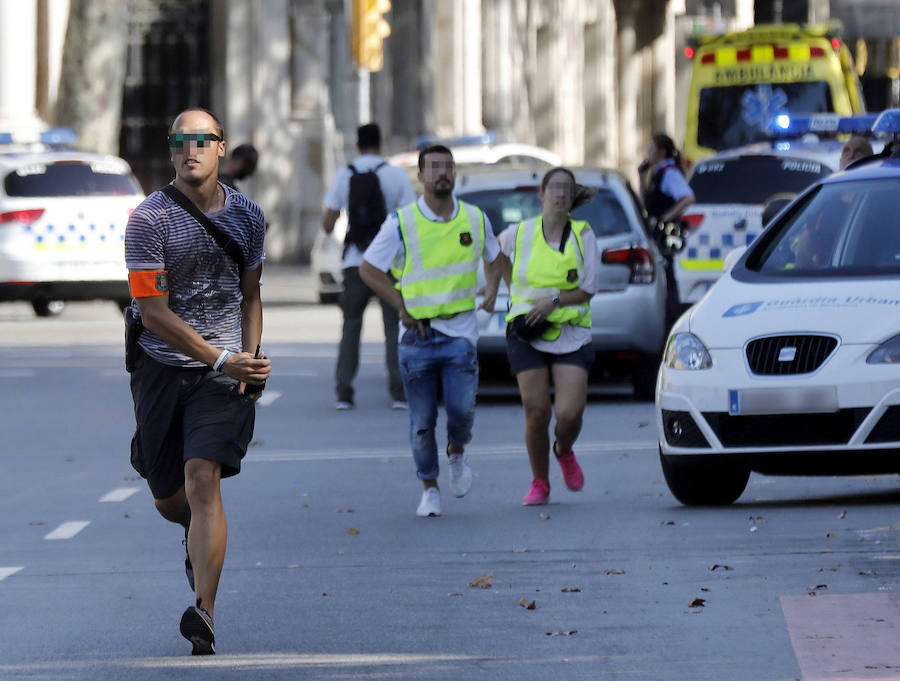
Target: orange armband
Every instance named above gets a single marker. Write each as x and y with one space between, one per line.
147 284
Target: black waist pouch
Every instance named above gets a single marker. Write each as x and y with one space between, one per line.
526 332
133 329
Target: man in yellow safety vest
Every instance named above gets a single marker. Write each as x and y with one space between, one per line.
434 246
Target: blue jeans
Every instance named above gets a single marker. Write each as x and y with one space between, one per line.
427 365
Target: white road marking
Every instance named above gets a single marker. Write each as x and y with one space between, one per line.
7 571
120 494
16 373
68 530
583 449
268 397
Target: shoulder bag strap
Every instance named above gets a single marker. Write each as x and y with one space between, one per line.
227 244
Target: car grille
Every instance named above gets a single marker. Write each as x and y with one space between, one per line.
785 355
786 430
888 427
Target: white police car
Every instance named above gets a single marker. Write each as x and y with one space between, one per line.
62 223
791 363
732 188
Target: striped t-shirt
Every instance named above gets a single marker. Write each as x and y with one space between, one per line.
204 286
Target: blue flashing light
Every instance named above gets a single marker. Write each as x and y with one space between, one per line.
783 146
888 124
789 125
59 136
6 138
425 141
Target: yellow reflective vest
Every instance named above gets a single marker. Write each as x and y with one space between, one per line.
440 270
541 271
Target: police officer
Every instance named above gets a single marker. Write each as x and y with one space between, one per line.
552 279
666 195
435 244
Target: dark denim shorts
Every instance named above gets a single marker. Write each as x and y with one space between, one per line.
183 413
523 355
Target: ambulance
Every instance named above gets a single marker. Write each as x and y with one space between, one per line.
741 80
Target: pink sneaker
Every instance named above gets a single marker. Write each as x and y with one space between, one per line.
571 470
538 494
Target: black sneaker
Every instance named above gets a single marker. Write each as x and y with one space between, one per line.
188 568
197 627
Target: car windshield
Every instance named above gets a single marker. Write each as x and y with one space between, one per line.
70 178
753 179
734 115
842 229
505 207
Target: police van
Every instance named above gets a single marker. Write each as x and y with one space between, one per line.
741 80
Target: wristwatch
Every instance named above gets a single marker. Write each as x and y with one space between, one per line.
556 302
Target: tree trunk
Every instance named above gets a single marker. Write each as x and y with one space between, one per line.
93 72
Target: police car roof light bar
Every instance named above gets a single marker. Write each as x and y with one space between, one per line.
887 127
791 125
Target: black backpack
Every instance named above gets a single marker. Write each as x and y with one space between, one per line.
366 208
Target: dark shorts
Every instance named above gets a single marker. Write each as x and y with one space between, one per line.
183 413
523 355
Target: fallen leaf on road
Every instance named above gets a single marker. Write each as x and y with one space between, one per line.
614 571
571 590
482 581
544 516
842 514
352 530
528 606
829 535
865 573
813 593
720 567
521 549
562 633
757 520
643 424
346 510
697 603
704 588
818 586
667 522
37 522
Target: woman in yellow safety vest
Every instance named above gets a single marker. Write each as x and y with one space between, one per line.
552 276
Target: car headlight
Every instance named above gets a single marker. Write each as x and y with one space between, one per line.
886 353
686 351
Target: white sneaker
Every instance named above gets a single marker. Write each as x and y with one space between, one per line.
399 405
342 405
430 505
460 475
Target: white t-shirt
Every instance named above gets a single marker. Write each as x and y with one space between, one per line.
571 337
387 247
395 186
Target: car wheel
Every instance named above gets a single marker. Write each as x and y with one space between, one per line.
44 307
704 481
329 298
643 378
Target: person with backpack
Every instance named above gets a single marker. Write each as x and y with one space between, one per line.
369 189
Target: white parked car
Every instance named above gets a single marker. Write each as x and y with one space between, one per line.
62 226
790 364
327 250
628 312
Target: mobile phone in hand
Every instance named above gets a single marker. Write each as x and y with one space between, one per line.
253 388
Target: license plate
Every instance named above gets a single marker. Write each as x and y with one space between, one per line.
812 400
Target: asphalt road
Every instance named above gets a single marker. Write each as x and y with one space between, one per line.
329 574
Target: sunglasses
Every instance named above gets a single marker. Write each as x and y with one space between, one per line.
179 139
